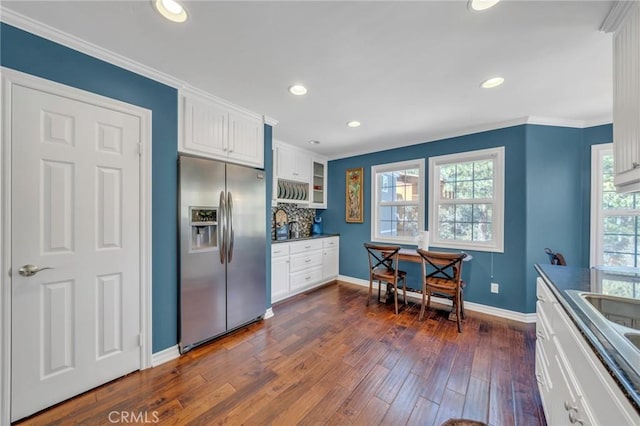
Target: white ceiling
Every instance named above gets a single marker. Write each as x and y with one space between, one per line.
409 71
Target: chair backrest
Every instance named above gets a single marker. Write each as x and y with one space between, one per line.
382 255
437 264
555 258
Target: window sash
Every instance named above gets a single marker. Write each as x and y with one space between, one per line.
600 214
379 224
495 203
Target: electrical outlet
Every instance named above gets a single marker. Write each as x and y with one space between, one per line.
495 288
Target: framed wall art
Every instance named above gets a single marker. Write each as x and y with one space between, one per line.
354 204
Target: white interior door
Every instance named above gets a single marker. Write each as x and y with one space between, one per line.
75 209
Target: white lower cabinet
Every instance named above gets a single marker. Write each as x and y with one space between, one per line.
279 271
574 385
301 265
331 255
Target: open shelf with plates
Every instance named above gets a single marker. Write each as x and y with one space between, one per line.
289 191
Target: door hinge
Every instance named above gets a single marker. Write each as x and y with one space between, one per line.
140 149
140 336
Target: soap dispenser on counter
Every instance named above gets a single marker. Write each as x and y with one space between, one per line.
316 228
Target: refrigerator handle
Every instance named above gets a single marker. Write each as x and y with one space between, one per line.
222 228
230 222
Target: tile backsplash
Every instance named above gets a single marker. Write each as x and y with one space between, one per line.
303 215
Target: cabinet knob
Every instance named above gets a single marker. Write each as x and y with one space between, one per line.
569 407
574 419
635 165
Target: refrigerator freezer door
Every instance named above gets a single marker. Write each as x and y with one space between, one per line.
202 274
246 270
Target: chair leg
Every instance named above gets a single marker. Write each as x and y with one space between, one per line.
422 305
404 290
370 290
462 304
395 296
428 299
458 313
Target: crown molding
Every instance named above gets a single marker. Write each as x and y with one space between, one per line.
53 34
534 120
270 121
616 16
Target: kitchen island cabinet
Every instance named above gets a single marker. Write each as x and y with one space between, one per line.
581 378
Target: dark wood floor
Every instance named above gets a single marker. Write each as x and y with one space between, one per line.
326 358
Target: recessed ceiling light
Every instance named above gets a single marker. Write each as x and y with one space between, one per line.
314 142
298 90
353 123
171 9
492 82
480 5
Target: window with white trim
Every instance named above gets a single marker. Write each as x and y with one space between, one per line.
615 217
397 192
615 225
466 200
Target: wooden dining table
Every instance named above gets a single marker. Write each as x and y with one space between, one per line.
411 255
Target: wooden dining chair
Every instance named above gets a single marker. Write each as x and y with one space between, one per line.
442 275
383 267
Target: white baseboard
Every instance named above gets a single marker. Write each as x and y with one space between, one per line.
470 306
165 355
269 313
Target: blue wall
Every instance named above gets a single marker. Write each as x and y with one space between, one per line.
268 162
545 166
546 204
34 55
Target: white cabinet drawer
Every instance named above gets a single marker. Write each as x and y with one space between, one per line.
306 278
302 261
279 250
330 242
306 245
544 294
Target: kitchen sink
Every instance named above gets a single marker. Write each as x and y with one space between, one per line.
620 310
617 318
634 338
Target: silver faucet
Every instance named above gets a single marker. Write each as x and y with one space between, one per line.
295 231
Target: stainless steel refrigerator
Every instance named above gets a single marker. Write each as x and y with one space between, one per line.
222 248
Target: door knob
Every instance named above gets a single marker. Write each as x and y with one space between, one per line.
29 270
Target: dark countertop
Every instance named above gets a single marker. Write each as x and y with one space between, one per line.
310 237
563 278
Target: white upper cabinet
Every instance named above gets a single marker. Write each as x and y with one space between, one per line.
292 163
300 176
246 139
217 130
626 97
318 190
